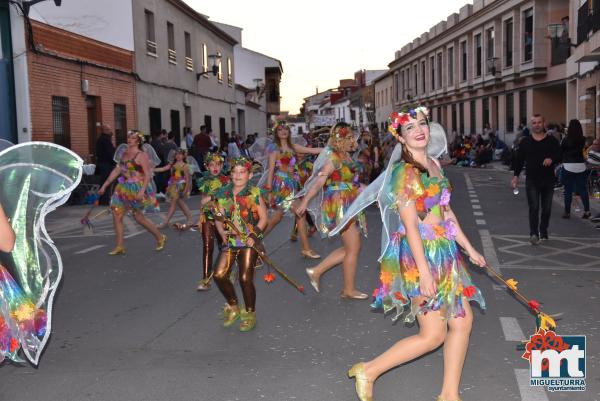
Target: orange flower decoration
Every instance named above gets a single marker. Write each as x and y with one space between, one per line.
439 231
469 291
399 297
385 277
269 277
512 284
433 190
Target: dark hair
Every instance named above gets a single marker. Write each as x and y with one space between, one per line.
574 134
171 135
408 157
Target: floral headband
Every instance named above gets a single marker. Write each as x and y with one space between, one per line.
342 132
243 162
213 157
279 123
139 134
396 119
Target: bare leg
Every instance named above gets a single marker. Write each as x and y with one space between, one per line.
147 224
170 214
432 332
273 221
302 233
118 223
351 241
455 351
185 210
333 259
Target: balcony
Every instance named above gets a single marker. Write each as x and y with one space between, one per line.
588 21
560 50
151 48
189 63
172 56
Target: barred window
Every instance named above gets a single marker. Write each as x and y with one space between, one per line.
120 123
60 121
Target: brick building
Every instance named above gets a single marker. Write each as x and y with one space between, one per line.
75 84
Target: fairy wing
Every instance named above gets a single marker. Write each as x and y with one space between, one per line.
36 177
193 165
152 156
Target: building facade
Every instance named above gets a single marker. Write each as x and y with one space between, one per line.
490 63
8 123
383 101
173 44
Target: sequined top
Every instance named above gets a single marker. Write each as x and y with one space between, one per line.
178 173
241 209
305 168
131 171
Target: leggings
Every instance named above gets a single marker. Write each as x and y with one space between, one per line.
209 234
246 260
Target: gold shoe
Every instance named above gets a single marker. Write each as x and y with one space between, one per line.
358 372
359 296
230 315
203 285
310 254
119 250
161 243
439 398
310 272
248 321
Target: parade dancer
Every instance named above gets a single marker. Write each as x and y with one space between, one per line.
37 177
178 186
304 169
422 270
240 204
133 192
282 181
208 185
335 175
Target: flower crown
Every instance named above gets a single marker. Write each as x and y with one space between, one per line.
342 132
213 157
243 162
396 120
137 133
279 123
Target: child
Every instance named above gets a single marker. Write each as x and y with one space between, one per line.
240 204
178 186
208 185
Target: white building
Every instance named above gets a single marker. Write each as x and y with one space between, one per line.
383 102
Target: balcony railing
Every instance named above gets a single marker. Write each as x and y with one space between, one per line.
172 56
189 63
588 21
151 47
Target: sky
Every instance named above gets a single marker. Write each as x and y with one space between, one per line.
321 42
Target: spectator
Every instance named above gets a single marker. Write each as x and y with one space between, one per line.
201 145
189 138
574 175
105 152
233 150
539 152
169 145
157 142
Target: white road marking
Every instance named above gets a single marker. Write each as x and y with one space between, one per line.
498 287
134 234
512 330
477 213
480 222
468 181
489 252
473 195
558 268
474 200
529 393
90 249
476 206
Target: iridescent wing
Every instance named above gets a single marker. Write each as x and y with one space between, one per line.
36 177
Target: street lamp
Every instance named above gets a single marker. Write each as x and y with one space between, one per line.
259 87
491 65
215 58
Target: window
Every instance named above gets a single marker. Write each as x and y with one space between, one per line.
478 55
172 54
396 82
486 111
439 68
508 42
220 73
61 121
528 34
489 47
523 106
451 66
229 72
204 58
423 90
120 123
150 33
189 62
473 118
416 72
406 93
432 70
454 117
461 117
510 113
463 61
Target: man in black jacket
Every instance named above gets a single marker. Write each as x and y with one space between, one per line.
539 153
105 152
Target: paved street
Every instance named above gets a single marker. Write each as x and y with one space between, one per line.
134 327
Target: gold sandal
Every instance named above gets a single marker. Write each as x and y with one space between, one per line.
358 372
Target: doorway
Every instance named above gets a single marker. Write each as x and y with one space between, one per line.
175 126
94 117
222 132
155 120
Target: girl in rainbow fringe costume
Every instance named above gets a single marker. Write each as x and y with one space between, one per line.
179 184
133 192
281 184
208 185
241 204
328 193
304 169
422 269
36 177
